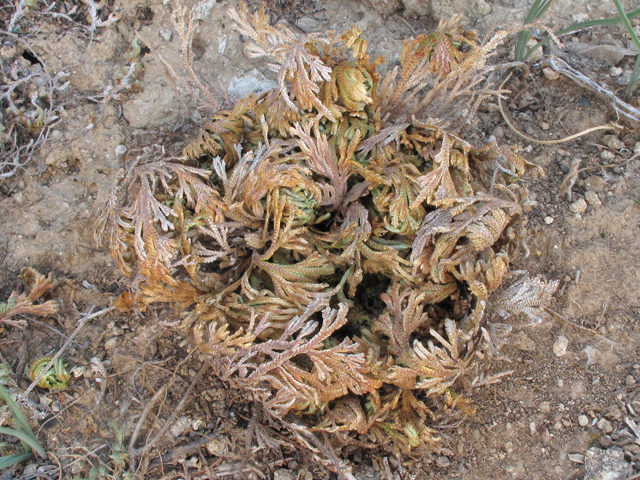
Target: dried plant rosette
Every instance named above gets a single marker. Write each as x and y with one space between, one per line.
332 253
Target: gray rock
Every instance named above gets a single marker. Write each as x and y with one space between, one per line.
309 24
592 198
576 457
470 9
605 425
606 464
165 34
595 184
253 82
202 9
120 152
385 7
613 142
610 54
608 155
282 474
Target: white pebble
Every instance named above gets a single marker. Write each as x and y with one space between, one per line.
583 421
579 206
576 458
560 347
548 220
615 71
607 155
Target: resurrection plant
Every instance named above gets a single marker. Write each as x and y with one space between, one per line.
332 244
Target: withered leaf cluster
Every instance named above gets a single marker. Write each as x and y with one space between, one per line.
331 252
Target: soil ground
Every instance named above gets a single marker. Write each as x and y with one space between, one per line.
526 426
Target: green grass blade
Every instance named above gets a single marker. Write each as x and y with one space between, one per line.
578 26
10 460
26 436
21 422
627 24
635 78
538 9
31 442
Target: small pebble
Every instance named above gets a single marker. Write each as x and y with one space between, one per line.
630 380
605 425
615 71
579 206
584 102
607 155
78 371
613 142
532 428
120 151
605 441
636 149
165 34
217 447
551 74
560 346
548 220
282 474
617 170
545 126
544 407
536 55
614 412
592 198
442 461
583 421
595 183
31 470
110 344
576 458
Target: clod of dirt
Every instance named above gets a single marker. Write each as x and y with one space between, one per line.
606 464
